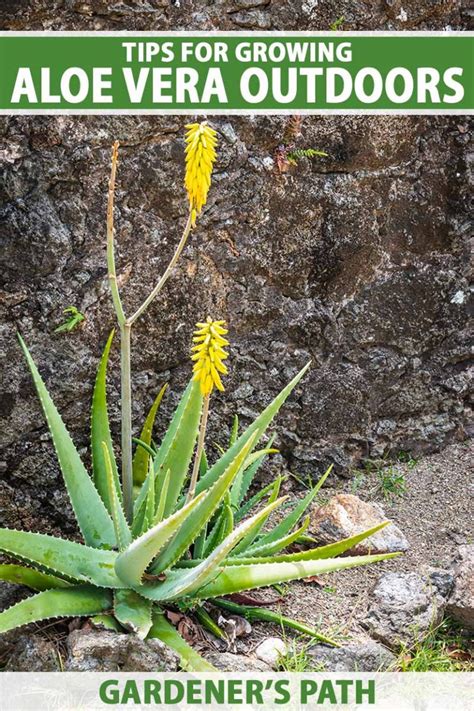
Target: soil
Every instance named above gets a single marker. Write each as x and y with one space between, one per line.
434 512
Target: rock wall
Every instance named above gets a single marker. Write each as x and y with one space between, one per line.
357 261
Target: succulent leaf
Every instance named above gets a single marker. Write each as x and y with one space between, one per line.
280 544
246 542
175 451
190 660
329 551
34 579
240 488
132 563
75 601
73 560
256 430
253 501
261 613
209 568
142 456
285 526
191 528
133 612
92 516
100 431
122 531
247 577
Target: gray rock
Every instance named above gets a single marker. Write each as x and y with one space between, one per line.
108 651
33 653
346 515
461 603
442 580
271 650
225 661
366 656
404 607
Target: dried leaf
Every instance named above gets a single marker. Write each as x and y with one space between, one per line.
315 579
460 654
188 630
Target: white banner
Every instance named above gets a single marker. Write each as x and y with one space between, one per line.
71 691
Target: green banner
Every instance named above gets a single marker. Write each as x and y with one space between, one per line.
236 72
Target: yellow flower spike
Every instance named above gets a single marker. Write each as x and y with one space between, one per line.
200 156
208 354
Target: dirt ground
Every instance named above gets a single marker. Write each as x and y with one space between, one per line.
435 514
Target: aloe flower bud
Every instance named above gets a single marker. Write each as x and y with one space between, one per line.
209 353
200 156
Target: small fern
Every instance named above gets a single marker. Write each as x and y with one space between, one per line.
299 153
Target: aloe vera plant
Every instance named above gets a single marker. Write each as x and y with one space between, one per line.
171 531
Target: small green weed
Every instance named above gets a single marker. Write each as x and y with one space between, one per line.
73 317
391 482
406 458
337 24
444 650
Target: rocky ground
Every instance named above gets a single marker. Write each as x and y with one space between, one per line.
371 611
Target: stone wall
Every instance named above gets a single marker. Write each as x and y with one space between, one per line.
357 261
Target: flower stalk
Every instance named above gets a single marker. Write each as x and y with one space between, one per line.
200 156
208 356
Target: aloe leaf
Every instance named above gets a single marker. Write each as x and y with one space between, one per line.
249 539
91 514
206 621
190 660
147 448
175 587
150 499
142 457
176 449
132 563
191 528
251 503
100 432
234 433
133 612
248 474
261 613
106 622
203 464
75 601
256 429
200 543
176 452
329 551
292 519
280 544
34 579
122 531
234 579
222 527
67 558
160 509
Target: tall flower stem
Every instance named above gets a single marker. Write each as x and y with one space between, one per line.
125 325
200 448
166 274
126 399
125 385
110 239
